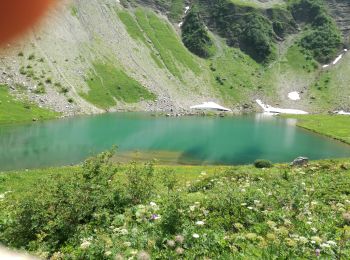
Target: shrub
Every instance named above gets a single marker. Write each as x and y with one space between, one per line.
263 163
323 42
324 38
63 90
31 56
40 89
169 180
52 213
194 35
172 218
26 105
219 80
140 182
256 36
22 70
48 80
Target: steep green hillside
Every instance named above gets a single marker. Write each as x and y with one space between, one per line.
108 84
331 88
228 51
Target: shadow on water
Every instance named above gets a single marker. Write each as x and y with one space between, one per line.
203 156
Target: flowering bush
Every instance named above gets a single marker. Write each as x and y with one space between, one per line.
239 212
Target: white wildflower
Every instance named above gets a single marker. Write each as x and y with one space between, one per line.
179 238
170 243
332 243
195 235
340 205
325 245
143 255
200 223
179 250
127 244
303 240
153 204
316 239
124 231
85 244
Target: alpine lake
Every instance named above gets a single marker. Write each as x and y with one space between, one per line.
194 140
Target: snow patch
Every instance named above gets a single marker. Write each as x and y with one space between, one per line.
211 106
342 112
337 59
294 95
275 110
186 9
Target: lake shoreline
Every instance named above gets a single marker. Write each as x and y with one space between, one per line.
336 127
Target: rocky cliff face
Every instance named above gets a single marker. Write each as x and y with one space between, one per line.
340 10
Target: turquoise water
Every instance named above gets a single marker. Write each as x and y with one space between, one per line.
183 140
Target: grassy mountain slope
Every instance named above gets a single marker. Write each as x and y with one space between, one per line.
92 56
14 111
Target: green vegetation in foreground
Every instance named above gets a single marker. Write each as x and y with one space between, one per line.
104 211
335 126
15 111
107 83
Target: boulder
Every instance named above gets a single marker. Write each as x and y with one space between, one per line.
300 161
